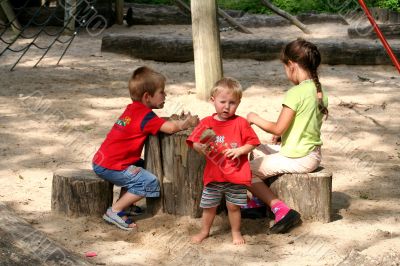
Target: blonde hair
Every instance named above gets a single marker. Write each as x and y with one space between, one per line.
227 83
144 79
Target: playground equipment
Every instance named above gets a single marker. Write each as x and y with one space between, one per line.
380 35
74 20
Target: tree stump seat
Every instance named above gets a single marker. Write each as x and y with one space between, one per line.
310 194
180 171
80 192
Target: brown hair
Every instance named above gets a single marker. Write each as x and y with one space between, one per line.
306 54
144 79
227 83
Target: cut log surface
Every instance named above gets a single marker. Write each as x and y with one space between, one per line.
180 49
309 194
179 169
80 192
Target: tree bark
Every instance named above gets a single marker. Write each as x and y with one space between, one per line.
179 169
286 15
30 246
206 46
80 192
309 194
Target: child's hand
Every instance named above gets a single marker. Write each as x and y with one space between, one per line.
233 153
251 117
201 148
190 121
276 139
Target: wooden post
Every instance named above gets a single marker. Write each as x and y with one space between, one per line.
80 192
119 11
206 46
10 15
310 194
179 169
69 16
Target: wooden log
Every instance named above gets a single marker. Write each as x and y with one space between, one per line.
286 15
206 46
80 192
169 48
21 244
391 31
309 194
180 172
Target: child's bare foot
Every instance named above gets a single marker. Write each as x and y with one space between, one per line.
238 238
197 239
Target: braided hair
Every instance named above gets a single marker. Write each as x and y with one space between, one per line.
306 54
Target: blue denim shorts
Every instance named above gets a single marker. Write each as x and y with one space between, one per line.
135 179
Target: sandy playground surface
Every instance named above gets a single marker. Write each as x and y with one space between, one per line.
56 117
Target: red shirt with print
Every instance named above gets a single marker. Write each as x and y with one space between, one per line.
124 143
232 133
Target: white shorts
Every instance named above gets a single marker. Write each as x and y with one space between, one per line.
269 162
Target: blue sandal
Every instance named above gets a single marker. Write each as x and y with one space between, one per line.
116 218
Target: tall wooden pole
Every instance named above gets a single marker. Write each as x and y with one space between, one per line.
119 12
206 46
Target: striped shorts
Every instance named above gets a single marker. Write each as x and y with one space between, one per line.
213 192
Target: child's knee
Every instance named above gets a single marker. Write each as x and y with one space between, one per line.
232 207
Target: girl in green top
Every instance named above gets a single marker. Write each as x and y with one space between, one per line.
298 130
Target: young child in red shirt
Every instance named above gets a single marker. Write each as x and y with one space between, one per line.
227 169
118 159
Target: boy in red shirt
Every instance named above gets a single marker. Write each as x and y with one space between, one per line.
118 159
227 169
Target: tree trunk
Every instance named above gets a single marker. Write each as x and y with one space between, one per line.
309 194
206 46
80 192
179 169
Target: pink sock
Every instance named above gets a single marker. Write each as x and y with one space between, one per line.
280 210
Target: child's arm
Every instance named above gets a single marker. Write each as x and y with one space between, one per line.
279 127
200 147
237 152
173 126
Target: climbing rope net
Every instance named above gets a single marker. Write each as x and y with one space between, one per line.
22 40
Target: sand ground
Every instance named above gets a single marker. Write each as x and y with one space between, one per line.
56 117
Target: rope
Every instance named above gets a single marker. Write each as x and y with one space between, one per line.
81 18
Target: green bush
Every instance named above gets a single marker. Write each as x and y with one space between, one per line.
292 6
390 4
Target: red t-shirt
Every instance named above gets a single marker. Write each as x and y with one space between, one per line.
232 133
124 143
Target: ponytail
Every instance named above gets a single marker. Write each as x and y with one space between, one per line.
321 106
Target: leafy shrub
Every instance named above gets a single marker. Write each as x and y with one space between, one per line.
291 6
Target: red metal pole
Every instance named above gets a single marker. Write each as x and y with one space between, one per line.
380 35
